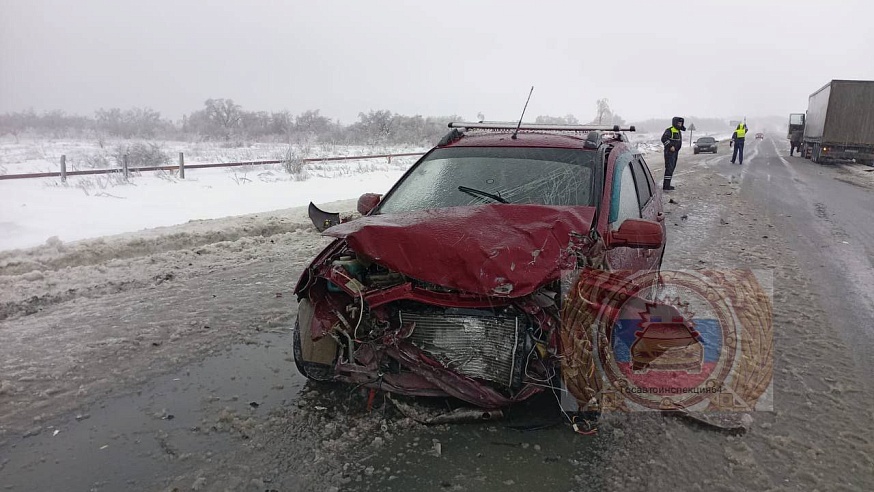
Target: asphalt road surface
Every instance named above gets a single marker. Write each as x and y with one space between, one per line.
220 406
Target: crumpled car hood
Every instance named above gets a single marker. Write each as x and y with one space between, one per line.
501 250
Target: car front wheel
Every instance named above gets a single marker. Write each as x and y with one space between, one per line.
314 359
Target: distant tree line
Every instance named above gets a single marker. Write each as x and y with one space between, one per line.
224 120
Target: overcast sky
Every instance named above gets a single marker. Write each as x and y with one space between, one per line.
651 58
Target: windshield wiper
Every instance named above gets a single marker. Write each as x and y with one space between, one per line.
481 193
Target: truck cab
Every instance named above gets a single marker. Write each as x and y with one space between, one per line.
796 123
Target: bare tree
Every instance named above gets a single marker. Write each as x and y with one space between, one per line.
224 114
603 110
557 120
375 127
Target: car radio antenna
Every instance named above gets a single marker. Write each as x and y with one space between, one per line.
523 113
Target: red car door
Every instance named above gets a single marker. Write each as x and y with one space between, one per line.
622 201
650 198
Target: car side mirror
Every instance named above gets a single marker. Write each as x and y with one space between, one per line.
367 202
638 233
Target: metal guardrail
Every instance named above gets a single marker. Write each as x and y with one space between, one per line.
64 173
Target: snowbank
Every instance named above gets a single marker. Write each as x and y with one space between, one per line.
56 272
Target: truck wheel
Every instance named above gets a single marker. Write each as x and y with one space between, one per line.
314 359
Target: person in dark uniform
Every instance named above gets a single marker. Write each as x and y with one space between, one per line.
738 138
672 140
795 141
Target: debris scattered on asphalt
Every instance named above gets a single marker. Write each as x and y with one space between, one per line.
438 448
671 201
735 423
33 432
199 484
457 416
254 404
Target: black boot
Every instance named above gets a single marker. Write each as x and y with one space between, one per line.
666 185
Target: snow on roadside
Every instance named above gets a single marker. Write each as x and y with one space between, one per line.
43 155
33 211
33 279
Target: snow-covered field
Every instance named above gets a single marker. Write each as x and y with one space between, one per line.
43 155
33 211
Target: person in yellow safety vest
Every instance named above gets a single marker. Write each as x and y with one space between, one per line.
737 138
672 140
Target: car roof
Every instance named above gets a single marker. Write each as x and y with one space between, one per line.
523 139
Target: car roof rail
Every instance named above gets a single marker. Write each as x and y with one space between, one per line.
538 127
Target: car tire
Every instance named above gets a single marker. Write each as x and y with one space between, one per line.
314 371
695 151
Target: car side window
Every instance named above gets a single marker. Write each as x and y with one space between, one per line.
629 204
648 174
643 189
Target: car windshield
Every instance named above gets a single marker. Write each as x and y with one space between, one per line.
463 176
706 140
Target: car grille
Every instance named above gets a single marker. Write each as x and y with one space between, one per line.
479 346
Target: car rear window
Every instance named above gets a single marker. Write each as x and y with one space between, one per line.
545 176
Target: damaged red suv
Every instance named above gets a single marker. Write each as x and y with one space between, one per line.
450 285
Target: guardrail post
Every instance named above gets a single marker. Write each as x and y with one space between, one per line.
389 158
181 166
63 168
124 169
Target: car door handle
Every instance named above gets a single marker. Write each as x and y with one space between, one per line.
660 217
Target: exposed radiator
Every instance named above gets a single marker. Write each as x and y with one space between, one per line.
485 347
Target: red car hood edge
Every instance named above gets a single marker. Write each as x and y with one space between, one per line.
503 250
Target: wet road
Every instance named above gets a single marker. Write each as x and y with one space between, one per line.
173 424
832 224
831 228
